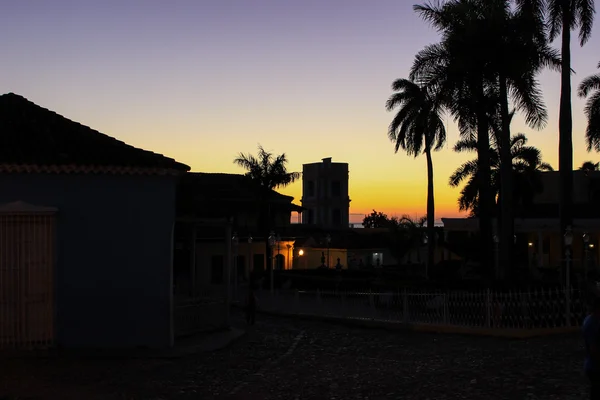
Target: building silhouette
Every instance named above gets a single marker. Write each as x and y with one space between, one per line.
325 194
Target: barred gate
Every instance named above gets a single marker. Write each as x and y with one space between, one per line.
27 260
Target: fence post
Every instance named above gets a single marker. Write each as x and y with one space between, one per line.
343 296
488 308
405 305
297 301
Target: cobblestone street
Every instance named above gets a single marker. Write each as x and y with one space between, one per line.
294 359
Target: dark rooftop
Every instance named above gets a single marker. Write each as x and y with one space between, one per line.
34 139
211 192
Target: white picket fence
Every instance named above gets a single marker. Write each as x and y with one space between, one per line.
534 309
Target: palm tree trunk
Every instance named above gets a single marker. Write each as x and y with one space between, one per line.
486 199
506 187
565 126
430 210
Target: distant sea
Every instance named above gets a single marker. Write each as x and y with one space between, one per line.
438 223
358 223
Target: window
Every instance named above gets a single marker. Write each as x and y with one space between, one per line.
216 270
336 216
310 188
336 189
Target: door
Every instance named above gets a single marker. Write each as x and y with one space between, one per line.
26 280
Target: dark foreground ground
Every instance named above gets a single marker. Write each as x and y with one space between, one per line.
293 359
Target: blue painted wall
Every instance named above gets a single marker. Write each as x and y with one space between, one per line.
114 255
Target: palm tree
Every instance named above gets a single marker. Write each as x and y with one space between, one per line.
592 110
418 128
406 234
526 166
565 16
454 70
522 50
267 172
589 166
491 50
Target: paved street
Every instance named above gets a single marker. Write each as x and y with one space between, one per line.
292 359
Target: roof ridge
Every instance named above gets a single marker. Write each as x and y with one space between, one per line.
32 134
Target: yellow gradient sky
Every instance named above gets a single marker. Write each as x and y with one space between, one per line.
202 81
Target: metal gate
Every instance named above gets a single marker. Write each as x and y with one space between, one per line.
27 260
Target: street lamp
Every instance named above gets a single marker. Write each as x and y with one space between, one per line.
568 238
272 240
586 246
235 241
328 240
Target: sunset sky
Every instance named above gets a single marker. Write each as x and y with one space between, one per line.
201 80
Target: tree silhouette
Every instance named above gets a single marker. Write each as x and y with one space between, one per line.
418 128
565 16
527 164
589 166
590 86
267 172
376 220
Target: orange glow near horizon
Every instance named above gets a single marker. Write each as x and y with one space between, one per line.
200 84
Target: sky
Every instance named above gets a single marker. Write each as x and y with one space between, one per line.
202 80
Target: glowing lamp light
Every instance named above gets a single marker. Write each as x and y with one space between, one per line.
300 252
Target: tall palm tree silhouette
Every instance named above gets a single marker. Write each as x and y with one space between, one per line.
418 128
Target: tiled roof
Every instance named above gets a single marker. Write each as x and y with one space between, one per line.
212 191
34 139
